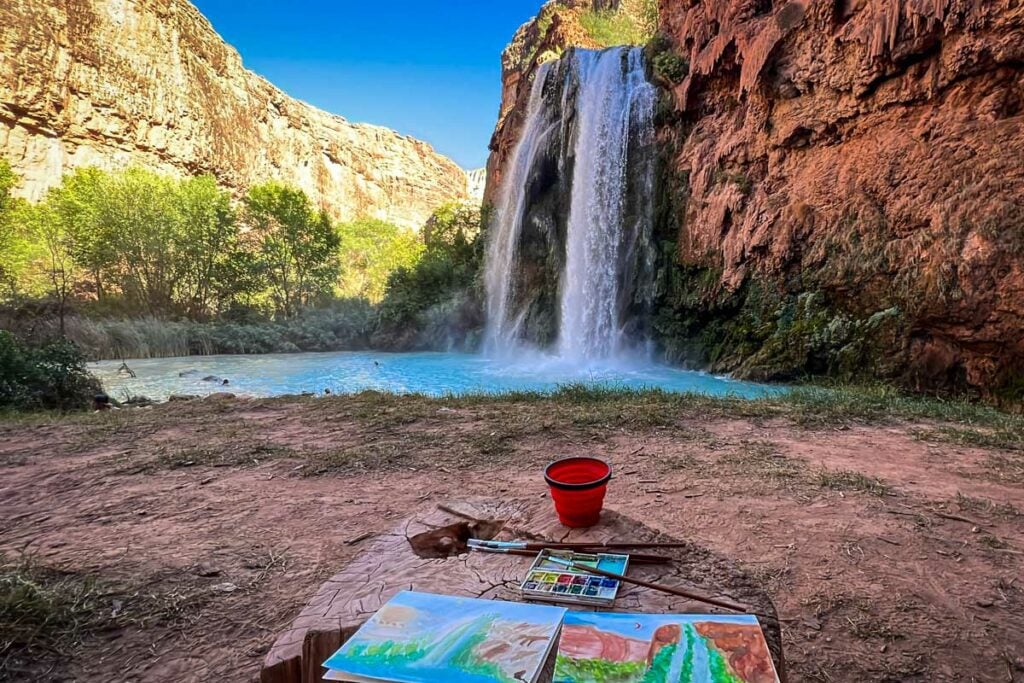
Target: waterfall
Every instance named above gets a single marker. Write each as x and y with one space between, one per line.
570 259
502 326
614 100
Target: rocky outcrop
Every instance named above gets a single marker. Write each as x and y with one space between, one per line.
476 182
745 647
559 25
114 83
842 188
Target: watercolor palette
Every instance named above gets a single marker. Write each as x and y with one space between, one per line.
551 582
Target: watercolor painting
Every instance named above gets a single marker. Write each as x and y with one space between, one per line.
662 648
424 638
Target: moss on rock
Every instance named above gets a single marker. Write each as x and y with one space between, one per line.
762 333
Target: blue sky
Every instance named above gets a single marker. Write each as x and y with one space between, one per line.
427 69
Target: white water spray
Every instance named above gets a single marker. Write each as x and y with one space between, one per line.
615 105
503 325
606 118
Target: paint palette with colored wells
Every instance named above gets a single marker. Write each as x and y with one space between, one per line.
551 582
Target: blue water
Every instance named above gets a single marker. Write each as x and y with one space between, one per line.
434 374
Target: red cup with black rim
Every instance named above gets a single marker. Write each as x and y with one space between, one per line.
577 487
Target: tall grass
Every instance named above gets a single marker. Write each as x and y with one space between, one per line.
114 339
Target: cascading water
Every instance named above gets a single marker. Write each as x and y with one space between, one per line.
570 259
502 324
615 106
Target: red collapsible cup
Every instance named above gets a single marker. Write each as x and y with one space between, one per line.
578 486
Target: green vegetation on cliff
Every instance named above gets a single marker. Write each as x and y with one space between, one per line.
633 22
761 332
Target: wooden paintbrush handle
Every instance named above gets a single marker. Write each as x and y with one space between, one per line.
724 604
607 546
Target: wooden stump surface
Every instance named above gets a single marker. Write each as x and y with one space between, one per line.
388 565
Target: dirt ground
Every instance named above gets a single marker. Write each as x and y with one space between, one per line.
893 553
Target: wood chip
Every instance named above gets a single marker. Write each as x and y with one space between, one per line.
359 539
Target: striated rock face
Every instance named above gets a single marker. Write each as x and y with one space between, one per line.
748 653
476 182
867 152
843 188
113 83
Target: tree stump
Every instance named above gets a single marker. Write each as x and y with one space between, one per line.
390 564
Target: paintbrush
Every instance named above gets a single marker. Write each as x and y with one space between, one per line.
580 548
637 559
725 604
480 544
615 546
551 545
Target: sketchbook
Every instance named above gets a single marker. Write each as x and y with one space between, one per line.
425 638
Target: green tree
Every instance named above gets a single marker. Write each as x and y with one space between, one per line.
138 216
454 226
50 253
84 204
207 255
11 244
371 251
296 247
7 182
435 291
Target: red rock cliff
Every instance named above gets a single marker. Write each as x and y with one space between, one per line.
588 642
745 647
843 187
867 149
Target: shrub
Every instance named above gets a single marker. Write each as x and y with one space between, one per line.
430 305
51 377
345 325
668 65
633 23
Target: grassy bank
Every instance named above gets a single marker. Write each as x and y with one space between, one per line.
604 412
47 616
961 420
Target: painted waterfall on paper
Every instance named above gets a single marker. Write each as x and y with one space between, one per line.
662 648
424 638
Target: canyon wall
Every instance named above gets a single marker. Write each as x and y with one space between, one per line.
114 83
842 188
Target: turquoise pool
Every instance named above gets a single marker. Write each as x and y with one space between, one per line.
435 374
